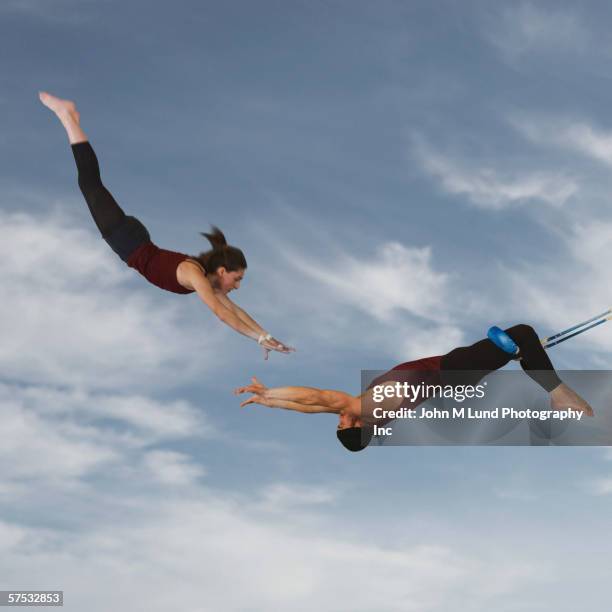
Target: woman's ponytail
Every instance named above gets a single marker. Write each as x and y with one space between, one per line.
216 237
221 254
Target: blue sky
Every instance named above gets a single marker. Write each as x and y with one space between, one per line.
400 176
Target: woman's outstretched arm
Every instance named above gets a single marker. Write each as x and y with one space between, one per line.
190 276
242 314
246 318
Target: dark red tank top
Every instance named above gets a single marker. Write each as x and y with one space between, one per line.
425 370
158 266
424 364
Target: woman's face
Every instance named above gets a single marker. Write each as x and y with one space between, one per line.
228 281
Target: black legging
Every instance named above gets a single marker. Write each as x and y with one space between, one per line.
476 361
105 211
123 233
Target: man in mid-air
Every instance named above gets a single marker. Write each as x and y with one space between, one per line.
463 365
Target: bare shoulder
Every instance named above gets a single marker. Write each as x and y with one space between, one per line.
196 263
189 273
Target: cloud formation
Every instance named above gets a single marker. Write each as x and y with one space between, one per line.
63 12
571 292
577 136
75 315
396 297
491 189
523 29
150 518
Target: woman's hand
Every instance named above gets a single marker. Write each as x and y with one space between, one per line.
282 347
191 276
268 343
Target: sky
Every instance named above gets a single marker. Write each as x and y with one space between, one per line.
400 176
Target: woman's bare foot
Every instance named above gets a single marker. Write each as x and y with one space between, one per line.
67 113
60 107
563 398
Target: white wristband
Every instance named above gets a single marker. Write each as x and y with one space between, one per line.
264 337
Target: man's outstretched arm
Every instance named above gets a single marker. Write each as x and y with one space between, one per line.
301 399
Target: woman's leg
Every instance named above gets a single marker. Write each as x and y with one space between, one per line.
105 211
472 363
124 234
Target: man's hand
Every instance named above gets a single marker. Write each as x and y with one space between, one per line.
257 389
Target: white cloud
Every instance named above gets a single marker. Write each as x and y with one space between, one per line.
415 342
563 291
561 287
515 494
489 189
571 134
73 314
521 30
172 468
135 517
11 535
68 12
281 497
150 535
33 450
601 486
150 418
399 278
396 299
65 436
213 547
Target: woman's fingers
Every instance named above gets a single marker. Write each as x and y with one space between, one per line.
272 344
282 348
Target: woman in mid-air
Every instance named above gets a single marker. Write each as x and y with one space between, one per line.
212 275
464 365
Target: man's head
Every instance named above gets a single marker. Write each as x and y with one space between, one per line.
355 438
353 435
